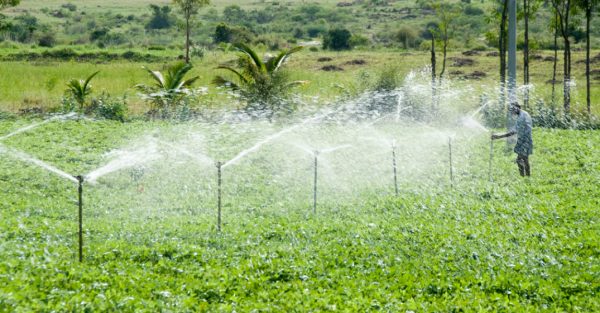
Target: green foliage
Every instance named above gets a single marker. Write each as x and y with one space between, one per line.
260 83
227 34
80 89
8 3
407 36
161 17
170 90
337 39
515 245
109 108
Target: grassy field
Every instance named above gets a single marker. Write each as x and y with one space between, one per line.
526 245
42 84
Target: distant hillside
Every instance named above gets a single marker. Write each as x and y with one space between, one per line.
271 24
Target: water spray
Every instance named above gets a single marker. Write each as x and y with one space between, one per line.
450 159
316 154
80 181
394 165
219 183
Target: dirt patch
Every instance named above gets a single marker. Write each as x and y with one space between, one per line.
536 57
356 62
332 68
475 75
459 62
492 54
558 81
595 59
324 59
595 72
471 53
549 59
456 73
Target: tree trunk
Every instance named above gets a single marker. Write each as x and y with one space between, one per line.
187 40
588 17
567 57
444 53
555 63
526 12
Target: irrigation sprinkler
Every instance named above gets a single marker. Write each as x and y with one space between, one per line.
219 182
316 154
491 158
394 165
80 205
450 154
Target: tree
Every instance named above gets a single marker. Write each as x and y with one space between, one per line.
168 89
161 17
260 83
441 33
8 3
530 7
337 39
189 8
554 26
80 89
587 6
563 11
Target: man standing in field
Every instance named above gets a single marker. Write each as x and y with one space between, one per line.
522 129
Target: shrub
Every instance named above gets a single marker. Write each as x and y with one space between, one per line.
337 39
170 90
407 37
109 108
161 17
47 40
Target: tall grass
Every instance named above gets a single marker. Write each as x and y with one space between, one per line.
42 84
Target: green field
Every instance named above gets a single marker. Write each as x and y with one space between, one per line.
150 243
366 189
42 84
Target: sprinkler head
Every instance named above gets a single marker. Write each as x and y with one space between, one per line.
80 178
218 164
316 152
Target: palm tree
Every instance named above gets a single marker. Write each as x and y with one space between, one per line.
80 89
260 83
170 88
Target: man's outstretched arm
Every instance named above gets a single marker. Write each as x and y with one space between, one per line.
499 136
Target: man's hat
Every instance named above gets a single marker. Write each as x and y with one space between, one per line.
514 106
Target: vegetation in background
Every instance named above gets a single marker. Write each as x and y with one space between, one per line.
261 84
170 90
189 8
8 3
79 90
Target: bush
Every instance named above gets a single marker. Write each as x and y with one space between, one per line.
473 10
109 108
161 17
337 39
407 37
47 40
70 6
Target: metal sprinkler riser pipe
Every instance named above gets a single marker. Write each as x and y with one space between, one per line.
219 184
80 181
316 154
395 170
